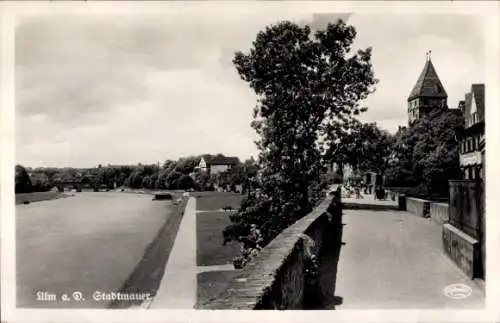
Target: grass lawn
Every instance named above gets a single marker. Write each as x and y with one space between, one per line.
210 251
38 196
212 201
211 283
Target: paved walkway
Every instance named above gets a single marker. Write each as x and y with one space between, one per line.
178 287
369 200
390 260
395 260
366 199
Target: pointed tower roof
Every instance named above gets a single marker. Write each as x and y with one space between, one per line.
428 83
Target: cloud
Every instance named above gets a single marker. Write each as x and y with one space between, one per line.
399 47
108 89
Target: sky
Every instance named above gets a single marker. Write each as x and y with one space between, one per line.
112 90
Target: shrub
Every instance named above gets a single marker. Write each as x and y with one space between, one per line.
185 182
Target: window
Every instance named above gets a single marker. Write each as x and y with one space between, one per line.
477 171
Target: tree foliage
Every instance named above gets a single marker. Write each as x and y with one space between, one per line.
309 88
140 176
22 180
185 182
426 154
365 147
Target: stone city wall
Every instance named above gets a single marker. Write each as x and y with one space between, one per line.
277 277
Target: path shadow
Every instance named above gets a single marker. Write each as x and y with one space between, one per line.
327 270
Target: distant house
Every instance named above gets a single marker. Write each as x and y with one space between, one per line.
216 164
472 141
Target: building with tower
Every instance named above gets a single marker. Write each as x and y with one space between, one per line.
428 93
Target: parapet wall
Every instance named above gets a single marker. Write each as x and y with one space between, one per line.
463 249
418 207
439 212
277 278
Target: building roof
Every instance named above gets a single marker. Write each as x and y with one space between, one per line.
428 84
461 106
476 92
221 160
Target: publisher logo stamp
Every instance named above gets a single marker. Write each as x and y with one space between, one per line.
457 291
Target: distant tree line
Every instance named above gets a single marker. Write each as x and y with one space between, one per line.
180 174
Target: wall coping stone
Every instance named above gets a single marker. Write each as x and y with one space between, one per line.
460 233
418 199
441 203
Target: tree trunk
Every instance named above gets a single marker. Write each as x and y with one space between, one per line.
341 170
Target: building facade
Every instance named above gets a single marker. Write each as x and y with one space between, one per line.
216 164
427 94
472 143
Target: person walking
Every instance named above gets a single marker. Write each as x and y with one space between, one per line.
358 192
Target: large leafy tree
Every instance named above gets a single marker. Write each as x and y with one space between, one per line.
365 147
185 182
22 180
186 165
309 87
427 153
